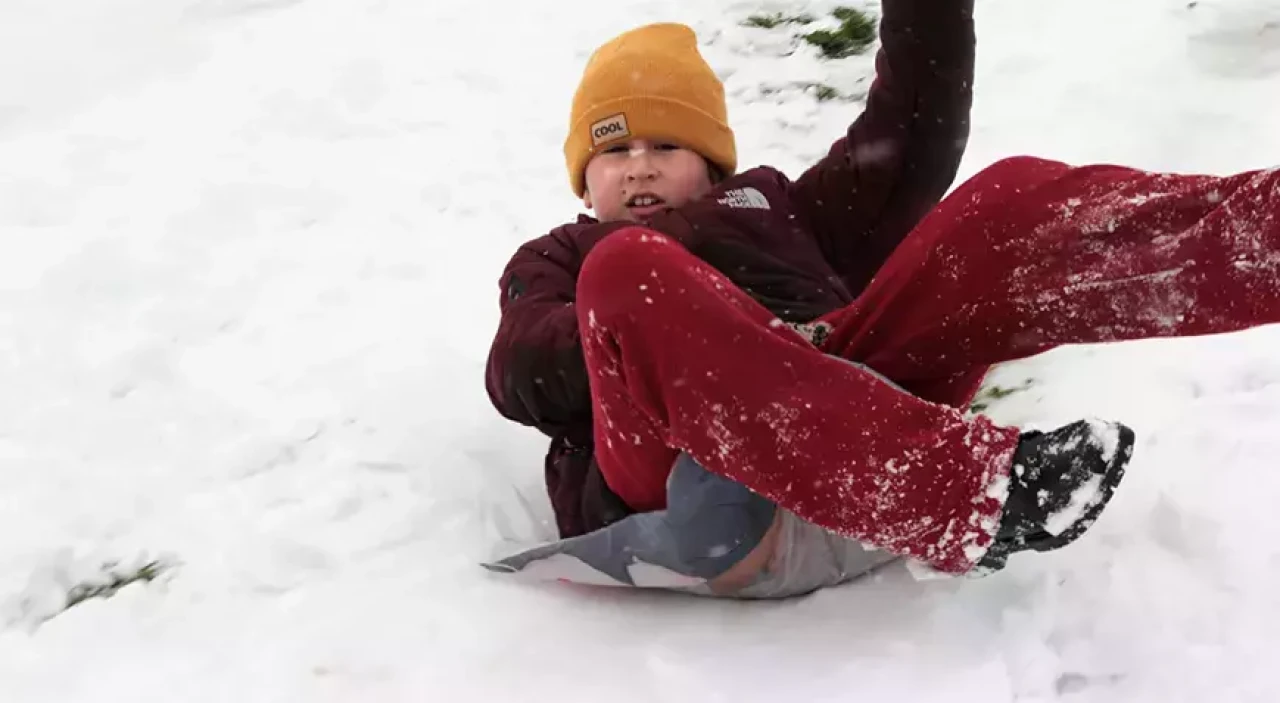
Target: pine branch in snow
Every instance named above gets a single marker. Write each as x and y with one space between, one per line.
113 578
65 582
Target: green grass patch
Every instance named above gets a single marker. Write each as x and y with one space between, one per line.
777 19
990 394
856 32
824 92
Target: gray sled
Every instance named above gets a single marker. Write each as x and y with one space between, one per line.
710 525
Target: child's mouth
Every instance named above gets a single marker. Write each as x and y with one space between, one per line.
644 203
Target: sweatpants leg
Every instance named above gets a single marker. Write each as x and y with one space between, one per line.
1033 254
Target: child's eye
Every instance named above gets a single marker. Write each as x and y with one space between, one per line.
616 149
667 147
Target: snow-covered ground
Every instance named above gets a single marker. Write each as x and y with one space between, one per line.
248 253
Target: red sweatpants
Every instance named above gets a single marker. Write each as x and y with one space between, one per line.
1027 255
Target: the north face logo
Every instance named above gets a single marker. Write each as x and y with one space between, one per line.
744 198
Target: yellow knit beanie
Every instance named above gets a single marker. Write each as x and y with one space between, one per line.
649 83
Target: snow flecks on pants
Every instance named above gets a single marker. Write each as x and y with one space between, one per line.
1148 257
720 427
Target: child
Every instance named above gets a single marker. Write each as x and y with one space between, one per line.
817 340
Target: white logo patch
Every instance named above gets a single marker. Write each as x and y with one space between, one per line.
609 129
745 198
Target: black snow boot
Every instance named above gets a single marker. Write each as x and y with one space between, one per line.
1059 485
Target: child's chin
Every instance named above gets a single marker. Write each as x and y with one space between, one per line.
639 213
622 216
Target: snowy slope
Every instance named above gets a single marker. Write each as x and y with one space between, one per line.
247 263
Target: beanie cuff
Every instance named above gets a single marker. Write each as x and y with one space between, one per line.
646 117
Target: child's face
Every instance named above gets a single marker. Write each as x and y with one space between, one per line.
632 180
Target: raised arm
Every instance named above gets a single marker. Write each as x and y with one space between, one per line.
902 153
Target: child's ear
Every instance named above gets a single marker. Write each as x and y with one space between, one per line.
586 199
713 173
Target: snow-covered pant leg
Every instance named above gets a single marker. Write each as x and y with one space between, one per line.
682 360
1031 254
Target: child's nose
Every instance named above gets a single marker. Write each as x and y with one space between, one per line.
641 165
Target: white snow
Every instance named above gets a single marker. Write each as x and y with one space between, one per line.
1082 499
1107 437
248 263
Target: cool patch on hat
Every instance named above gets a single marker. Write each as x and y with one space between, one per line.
609 129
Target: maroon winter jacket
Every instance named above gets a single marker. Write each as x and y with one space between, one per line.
802 248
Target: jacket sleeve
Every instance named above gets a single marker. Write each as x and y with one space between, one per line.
902 153
535 373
